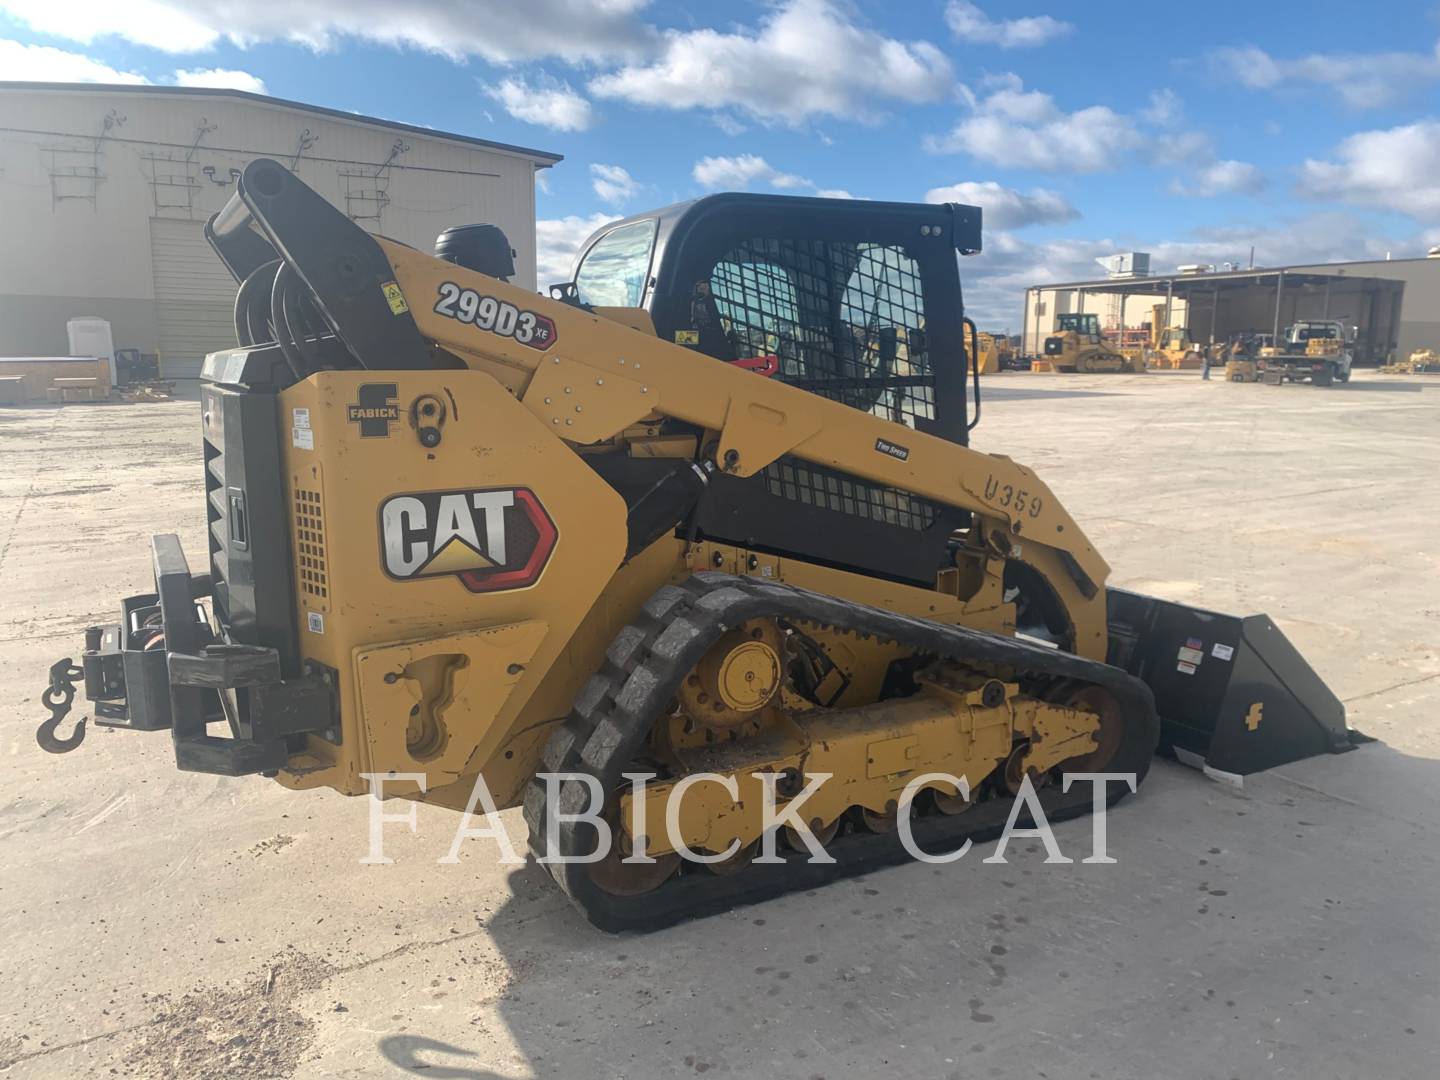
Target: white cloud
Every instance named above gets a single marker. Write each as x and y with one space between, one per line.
557 242
789 181
806 59
731 172
1017 128
739 172
1363 80
1181 148
1164 108
546 102
1220 178
972 25
41 63
494 30
1398 169
1025 129
220 77
1006 208
613 184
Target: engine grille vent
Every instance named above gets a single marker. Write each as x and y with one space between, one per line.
814 485
312 563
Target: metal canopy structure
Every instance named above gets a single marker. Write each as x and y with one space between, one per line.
1224 303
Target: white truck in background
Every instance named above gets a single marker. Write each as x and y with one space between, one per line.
1320 350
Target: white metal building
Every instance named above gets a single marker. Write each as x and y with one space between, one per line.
1394 304
104 191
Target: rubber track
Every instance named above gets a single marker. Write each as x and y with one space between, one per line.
614 713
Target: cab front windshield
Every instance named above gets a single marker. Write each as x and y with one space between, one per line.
614 271
1087 326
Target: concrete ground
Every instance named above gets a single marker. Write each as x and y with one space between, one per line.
157 924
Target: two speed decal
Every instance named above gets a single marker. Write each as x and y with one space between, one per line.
496 316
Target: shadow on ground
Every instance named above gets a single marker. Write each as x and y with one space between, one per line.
1257 911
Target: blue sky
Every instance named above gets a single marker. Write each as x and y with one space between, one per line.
1192 132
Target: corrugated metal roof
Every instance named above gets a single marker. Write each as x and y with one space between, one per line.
542 157
1224 277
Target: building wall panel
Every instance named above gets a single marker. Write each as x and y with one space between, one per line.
81 207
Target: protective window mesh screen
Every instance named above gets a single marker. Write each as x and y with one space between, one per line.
846 320
814 485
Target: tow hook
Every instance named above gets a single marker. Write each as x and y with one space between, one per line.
58 697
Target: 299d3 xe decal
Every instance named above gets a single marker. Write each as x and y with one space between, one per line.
497 316
491 539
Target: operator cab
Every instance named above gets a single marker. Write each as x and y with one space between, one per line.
856 301
1085 327
1173 339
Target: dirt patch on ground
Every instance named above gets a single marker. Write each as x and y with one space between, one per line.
12 1049
275 843
224 1032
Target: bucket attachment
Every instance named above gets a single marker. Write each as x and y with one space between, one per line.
1232 693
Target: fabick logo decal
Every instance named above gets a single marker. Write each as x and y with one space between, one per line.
493 539
374 410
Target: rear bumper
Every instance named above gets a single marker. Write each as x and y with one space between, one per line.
164 665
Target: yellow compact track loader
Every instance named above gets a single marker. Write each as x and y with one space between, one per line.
708 509
1078 346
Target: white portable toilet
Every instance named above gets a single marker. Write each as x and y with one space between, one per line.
90 336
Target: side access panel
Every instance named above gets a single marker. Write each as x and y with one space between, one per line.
1231 690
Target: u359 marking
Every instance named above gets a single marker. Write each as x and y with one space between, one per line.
1008 497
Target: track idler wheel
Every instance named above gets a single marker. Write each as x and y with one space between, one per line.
879 823
742 858
822 833
614 875
1108 736
1015 770
952 805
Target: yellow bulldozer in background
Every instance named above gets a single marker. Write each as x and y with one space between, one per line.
1077 345
1171 347
464 538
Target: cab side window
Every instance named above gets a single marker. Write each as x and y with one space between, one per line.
616 269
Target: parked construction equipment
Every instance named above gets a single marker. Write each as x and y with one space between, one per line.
1242 369
995 351
1241 356
52 378
1419 362
1077 345
1316 350
1173 350
711 508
